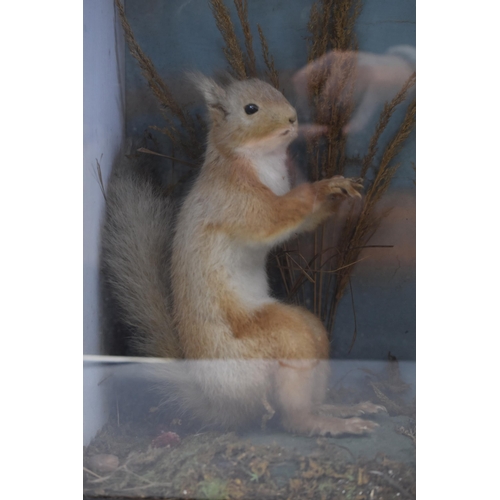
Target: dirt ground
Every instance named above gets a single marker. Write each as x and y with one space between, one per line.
148 459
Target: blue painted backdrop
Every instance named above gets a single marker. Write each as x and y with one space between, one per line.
180 35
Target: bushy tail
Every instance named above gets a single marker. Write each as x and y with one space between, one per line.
136 238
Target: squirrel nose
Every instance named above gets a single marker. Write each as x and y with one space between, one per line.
293 119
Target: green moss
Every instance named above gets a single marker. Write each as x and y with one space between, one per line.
215 489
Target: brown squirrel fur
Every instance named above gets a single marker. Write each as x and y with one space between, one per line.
248 345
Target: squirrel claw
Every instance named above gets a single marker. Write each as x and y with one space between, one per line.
339 185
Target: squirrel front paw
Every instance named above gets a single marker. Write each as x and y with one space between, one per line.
339 185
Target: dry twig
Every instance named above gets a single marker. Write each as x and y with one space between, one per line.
232 50
163 94
242 10
269 60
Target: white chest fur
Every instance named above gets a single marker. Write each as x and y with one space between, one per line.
246 266
271 169
273 173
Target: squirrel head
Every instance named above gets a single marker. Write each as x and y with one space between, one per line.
248 114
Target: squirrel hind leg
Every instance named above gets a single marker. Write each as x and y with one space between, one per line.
295 383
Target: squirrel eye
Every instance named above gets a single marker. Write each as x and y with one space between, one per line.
250 109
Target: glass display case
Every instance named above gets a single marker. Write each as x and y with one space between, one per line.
348 69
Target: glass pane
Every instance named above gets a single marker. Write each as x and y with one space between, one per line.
148 449
325 409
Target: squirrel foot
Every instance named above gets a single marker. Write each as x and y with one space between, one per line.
365 408
322 426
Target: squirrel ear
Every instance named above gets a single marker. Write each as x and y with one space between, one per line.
215 95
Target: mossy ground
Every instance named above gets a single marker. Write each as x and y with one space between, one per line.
253 465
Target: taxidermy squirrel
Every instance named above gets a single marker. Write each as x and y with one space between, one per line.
251 348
